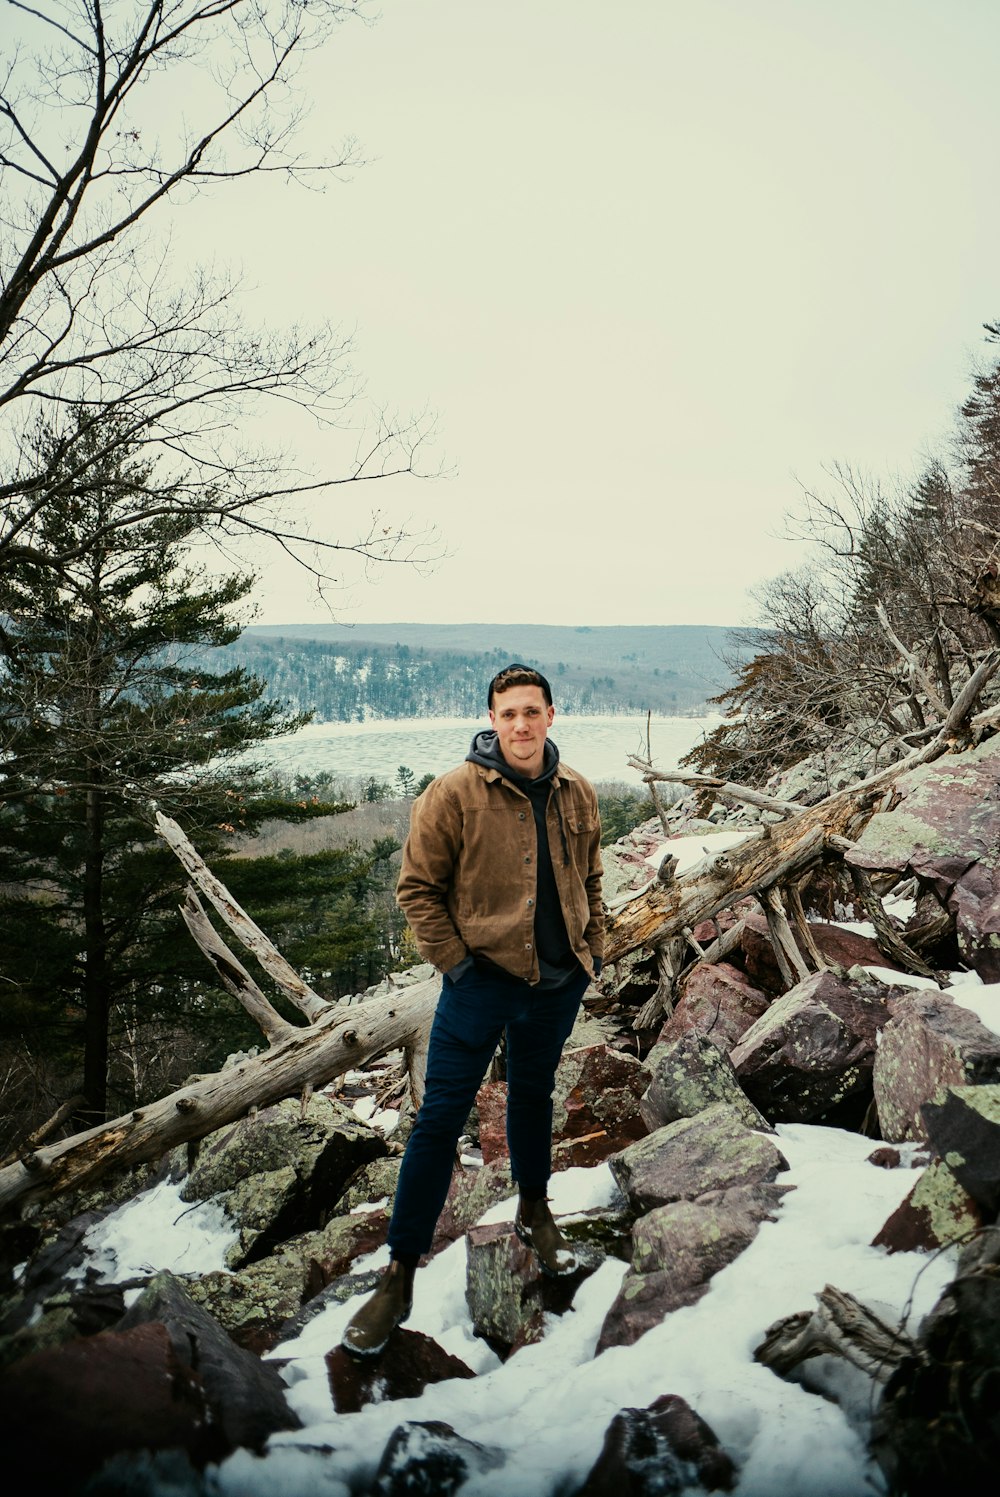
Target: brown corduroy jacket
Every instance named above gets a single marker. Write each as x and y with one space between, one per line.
467 884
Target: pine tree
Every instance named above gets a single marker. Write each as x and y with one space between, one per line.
102 715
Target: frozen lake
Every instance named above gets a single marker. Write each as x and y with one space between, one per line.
597 746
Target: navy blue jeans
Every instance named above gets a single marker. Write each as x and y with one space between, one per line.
472 1015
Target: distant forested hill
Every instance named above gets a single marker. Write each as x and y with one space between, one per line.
425 670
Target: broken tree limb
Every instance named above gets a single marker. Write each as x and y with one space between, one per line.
231 973
840 1326
669 960
725 788
918 676
800 925
791 962
342 1038
889 941
240 923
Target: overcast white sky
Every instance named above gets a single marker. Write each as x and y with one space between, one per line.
652 263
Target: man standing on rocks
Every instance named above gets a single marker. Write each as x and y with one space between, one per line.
501 885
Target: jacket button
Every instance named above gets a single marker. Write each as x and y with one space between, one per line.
528 859
527 945
531 901
520 815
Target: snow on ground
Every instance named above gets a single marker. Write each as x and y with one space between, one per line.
547 1408
692 849
157 1230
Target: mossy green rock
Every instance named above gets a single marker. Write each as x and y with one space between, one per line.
713 1151
690 1075
931 1042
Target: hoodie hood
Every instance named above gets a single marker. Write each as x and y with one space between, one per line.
485 751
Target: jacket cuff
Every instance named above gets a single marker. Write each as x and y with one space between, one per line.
597 962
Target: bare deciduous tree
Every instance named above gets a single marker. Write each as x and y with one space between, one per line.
96 153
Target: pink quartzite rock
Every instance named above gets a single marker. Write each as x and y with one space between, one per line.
470 1195
847 948
690 1074
712 1151
930 1042
595 1110
935 1213
718 1001
411 1361
814 1048
963 1127
945 828
506 1291
677 1249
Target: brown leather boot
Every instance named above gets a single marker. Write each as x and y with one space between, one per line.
369 1330
534 1225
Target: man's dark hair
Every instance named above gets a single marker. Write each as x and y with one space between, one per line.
518 675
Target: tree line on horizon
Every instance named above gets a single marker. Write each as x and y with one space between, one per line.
354 680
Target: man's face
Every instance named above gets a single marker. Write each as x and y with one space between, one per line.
522 718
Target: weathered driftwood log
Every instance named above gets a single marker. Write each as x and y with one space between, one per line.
791 962
660 912
298 1060
840 1326
316 1054
790 846
800 925
274 964
669 961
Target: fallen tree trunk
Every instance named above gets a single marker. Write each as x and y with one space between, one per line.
314 1055
788 847
298 1060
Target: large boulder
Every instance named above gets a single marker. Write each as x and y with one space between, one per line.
691 1074
814 1049
167 1378
945 828
69 1409
507 1293
934 1214
281 1170
664 1450
598 1090
930 1042
713 1151
595 1108
718 1001
677 1249
963 1127
244 1395
410 1363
